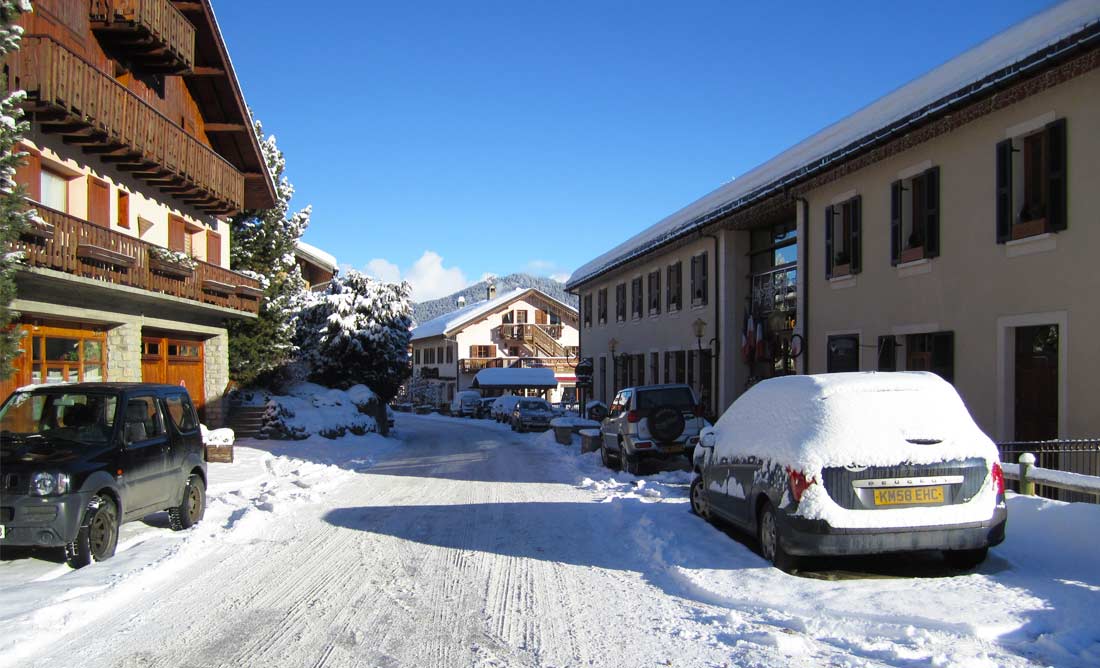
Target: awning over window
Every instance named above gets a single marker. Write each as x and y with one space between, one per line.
515 379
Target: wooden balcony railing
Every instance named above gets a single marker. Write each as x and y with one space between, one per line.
475 364
526 332
77 247
155 34
69 96
558 364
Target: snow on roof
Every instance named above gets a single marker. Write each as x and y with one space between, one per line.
315 255
505 378
995 54
447 323
865 418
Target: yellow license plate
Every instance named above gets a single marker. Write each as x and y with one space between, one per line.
899 496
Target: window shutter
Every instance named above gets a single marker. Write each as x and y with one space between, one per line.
857 251
1004 191
694 276
895 223
1056 175
473 351
177 234
703 283
213 248
29 173
943 355
932 212
99 202
828 242
668 290
887 353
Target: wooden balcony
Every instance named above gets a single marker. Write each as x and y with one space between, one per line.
526 332
68 96
560 365
153 34
77 247
475 364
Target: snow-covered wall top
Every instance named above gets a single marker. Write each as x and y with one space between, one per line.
927 93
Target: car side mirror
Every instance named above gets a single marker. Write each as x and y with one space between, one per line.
708 439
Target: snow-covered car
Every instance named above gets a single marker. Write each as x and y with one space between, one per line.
465 403
484 408
853 463
650 422
531 414
502 407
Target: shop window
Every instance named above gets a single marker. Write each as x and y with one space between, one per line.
636 297
1031 183
699 280
915 217
66 357
620 302
654 292
843 254
601 306
842 353
675 288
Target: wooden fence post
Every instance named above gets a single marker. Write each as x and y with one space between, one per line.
1027 486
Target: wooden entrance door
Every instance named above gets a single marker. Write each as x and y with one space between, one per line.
1036 391
175 361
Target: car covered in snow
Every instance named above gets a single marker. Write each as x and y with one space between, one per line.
465 403
78 460
501 410
853 463
532 413
485 408
650 422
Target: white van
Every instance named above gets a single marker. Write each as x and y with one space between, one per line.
465 403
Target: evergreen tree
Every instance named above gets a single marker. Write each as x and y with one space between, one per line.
357 332
14 215
262 246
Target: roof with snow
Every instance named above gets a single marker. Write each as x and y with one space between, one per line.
515 379
450 322
1020 50
314 255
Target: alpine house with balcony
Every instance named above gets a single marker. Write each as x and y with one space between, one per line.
521 329
140 147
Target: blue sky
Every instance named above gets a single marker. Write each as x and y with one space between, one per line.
439 141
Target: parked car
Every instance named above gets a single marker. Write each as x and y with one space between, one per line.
532 413
484 408
853 463
465 403
650 422
79 460
502 407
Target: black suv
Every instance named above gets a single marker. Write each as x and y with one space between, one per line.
78 460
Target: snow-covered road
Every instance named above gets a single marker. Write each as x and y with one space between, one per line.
463 544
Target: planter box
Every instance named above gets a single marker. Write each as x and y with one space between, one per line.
104 255
249 292
1029 229
210 285
563 435
911 254
590 440
219 453
170 269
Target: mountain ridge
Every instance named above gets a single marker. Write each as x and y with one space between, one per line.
433 308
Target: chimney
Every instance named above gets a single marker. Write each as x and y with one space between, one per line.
491 291
461 301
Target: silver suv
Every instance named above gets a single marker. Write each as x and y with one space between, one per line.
650 422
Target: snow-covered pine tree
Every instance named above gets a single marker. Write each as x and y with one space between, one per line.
262 246
14 215
357 332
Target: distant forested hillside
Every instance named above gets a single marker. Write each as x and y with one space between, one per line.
425 311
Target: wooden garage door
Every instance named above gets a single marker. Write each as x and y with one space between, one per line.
175 361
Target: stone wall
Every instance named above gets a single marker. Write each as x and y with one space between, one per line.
124 352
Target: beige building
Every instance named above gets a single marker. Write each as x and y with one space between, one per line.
944 227
523 328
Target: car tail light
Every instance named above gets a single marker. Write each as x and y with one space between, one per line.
799 483
633 417
699 410
998 478
643 444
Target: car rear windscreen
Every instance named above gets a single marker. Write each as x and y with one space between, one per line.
676 397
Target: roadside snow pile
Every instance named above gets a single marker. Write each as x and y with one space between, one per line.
223 436
573 422
308 408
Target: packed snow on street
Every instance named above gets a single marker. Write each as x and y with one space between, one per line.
456 542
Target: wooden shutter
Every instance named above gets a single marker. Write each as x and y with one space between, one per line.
895 222
1056 175
540 317
694 277
1004 191
29 174
177 234
99 202
492 350
932 212
123 217
213 247
703 287
828 242
857 251
887 353
473 351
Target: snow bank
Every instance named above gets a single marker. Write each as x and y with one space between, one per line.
308 408
573 422
223 436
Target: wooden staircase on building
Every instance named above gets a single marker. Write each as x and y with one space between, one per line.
548 344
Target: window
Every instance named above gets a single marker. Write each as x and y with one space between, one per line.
601 306
654 367
842 353
675 366
1031 183
123 217
915 217
143 420
181 412
483 351
213 247
699 280
636 297
588 310
416 356
843 254
931 352
54 190
620 302
888 353
59 356
439 355
450 354
654 292
675 287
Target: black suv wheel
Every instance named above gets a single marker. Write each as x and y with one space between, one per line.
98 535
190 511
